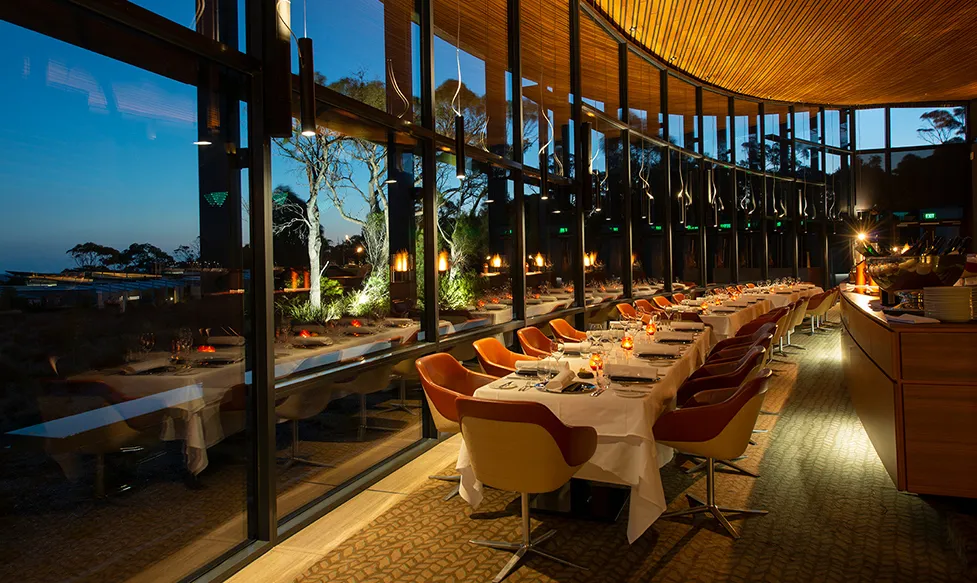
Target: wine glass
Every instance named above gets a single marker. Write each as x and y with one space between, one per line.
559 349
543 372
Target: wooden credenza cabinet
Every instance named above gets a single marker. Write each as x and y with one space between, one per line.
914 388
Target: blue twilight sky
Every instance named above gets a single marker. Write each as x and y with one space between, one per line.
92 149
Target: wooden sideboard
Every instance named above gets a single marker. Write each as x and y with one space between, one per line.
914 388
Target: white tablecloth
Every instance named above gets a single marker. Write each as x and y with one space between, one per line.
781 297
626 450
726 325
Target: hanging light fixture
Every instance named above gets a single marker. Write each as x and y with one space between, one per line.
459 118
306 88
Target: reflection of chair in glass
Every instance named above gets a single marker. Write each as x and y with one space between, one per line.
496 359
534 342
371 381
522 447
405 372
444 379
678 298
602 314
565 332
715 432
303 405
109 433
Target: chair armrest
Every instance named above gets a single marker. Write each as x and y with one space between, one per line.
710 397
580 446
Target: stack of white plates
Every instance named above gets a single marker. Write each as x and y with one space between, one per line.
948 304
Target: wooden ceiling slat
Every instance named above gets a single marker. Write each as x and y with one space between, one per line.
814 51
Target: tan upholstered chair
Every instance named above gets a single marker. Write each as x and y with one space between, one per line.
715 432
303 405
371 381
444 379
522 447
496 359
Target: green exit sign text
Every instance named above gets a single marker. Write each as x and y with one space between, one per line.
725 225
615 229
929 216
564 230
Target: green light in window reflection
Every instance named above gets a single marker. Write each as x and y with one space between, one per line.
615 229
216 199
928 216
725 225
658 227
691 227
507 232
779 223
564 230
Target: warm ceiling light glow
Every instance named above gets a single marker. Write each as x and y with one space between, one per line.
202 143
308 133
862 236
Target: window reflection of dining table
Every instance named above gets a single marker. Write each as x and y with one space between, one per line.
189 392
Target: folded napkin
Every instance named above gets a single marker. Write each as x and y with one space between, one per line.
738 303
494 307
561 381
656 349
548 298
399 321
576 347
144 365
693 302
225 340
910 319
631 371
533 301
616 325
688 326
526 365
664 335
724 310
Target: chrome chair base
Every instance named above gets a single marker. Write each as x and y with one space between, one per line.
527 545
454 491
401 404
697 506
728 463
294 458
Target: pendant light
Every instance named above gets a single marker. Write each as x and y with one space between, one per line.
307 113
459 118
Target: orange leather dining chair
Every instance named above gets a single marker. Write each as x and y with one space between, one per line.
522 447
678 298
662 301
626 311
647 307
444 379
565 332
717 431
495 358
534 342
750 286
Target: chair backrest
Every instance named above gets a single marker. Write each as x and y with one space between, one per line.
495 358
720 431
565 332
814 303
444 379
799 312
626 311
723 375
750 286
645 305
678 298
522 446
764 329
306 403
534 342
662 301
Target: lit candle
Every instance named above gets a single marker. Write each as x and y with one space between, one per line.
539 260
496 261
596 362
627 343
650 328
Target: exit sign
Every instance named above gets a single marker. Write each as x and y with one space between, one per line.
929 216
779 223
615 229
725 225
564 230
658 227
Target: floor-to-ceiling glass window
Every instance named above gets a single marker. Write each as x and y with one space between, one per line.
647 214
747 122
125 330
749 197
599 59
545 43
716 126
644 95
604 212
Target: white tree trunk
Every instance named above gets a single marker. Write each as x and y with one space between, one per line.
312 219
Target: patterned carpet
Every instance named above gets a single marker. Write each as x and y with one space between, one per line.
835 515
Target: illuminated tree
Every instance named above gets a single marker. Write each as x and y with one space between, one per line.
942 126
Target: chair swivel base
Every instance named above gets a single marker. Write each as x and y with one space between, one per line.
728 463
697 506
296 461
454 491
520 550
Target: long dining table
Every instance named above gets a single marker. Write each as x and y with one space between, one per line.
627 453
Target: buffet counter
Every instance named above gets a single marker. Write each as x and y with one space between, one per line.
914 388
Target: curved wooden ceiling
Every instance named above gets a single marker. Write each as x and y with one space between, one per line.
852 52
